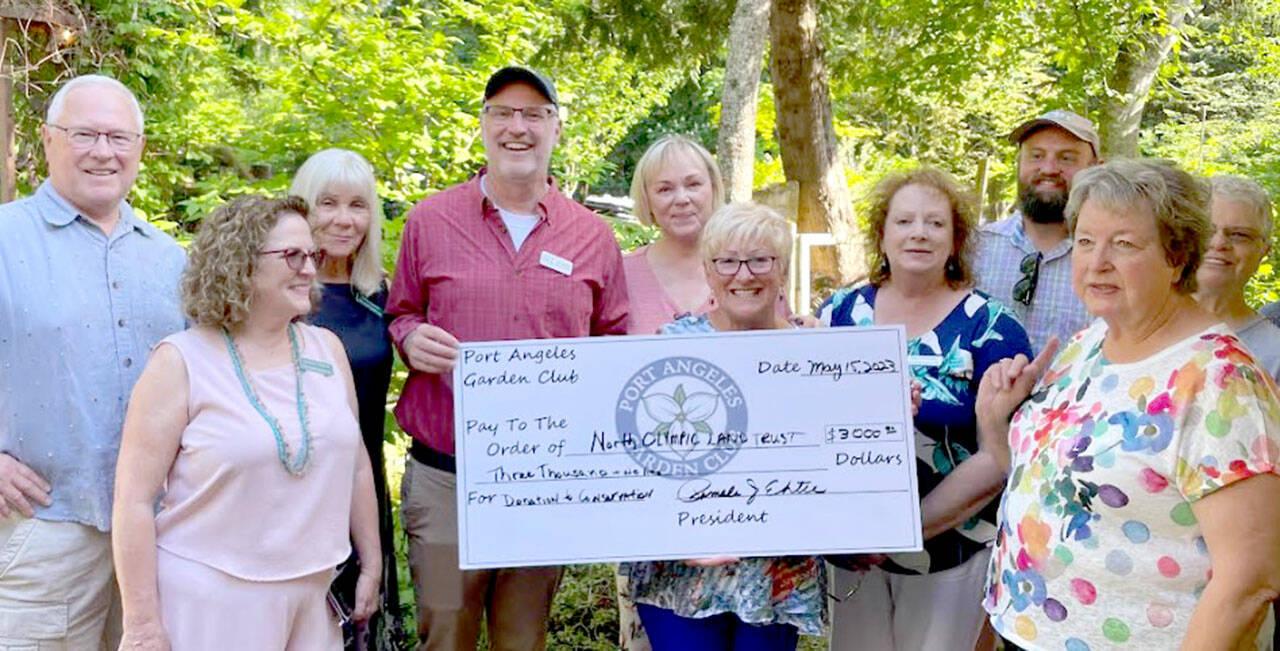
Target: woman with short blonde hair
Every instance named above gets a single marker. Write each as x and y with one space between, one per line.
724 603
675 188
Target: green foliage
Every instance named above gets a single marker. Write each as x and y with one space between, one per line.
585 613
632 234
237 94
687 109
658 33
1217 112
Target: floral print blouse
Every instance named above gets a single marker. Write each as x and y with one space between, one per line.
1098 547
783 590
948 362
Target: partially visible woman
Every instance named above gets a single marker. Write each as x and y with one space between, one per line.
755 603
1240 213
919 241
346 219
242 431
676 187
1142 506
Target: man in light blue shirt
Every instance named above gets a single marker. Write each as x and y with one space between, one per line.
86 288
1024 260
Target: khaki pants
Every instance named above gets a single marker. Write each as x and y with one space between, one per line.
941 611
57 587
451 602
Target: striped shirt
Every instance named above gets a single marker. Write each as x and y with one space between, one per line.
1054 309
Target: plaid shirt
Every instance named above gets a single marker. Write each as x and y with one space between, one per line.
1054 309
458 270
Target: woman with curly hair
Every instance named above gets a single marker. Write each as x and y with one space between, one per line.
921 226
242 480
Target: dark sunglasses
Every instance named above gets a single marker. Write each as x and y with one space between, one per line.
1025 288
296 258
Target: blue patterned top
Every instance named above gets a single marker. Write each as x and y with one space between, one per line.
948 362
782 590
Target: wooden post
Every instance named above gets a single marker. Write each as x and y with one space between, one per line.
13 15
981 190
8 157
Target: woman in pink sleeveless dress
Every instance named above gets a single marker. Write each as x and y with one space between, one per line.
242 431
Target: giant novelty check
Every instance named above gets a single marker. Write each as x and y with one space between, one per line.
761 443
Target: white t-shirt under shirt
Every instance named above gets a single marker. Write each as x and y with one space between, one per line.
519 226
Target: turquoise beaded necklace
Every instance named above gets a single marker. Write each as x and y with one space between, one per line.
295 465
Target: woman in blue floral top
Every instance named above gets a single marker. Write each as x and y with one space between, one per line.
752 604
920 227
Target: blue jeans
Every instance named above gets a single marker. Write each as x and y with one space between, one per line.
724 632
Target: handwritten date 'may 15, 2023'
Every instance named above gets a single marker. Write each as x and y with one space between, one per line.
631 448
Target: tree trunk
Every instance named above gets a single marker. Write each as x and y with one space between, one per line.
8 156
810 155
736 143
1129 83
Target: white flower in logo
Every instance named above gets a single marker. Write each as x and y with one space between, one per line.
679 414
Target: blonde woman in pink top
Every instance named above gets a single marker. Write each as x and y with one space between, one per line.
244 429
676 187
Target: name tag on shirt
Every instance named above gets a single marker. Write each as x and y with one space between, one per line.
556 263
315 366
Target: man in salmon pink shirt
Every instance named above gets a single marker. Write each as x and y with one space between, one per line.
502 256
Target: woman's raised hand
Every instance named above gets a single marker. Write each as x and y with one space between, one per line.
1003 387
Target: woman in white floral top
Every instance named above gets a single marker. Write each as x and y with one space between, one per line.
1142 508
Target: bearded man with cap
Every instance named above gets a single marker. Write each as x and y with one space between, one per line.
502 256
1024 260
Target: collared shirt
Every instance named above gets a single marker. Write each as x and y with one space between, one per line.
79 312
459 271
1271 311
1262 338
1055 309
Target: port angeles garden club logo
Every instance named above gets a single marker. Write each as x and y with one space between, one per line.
681 417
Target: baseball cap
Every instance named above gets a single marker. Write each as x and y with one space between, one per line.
512 74
1074 123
